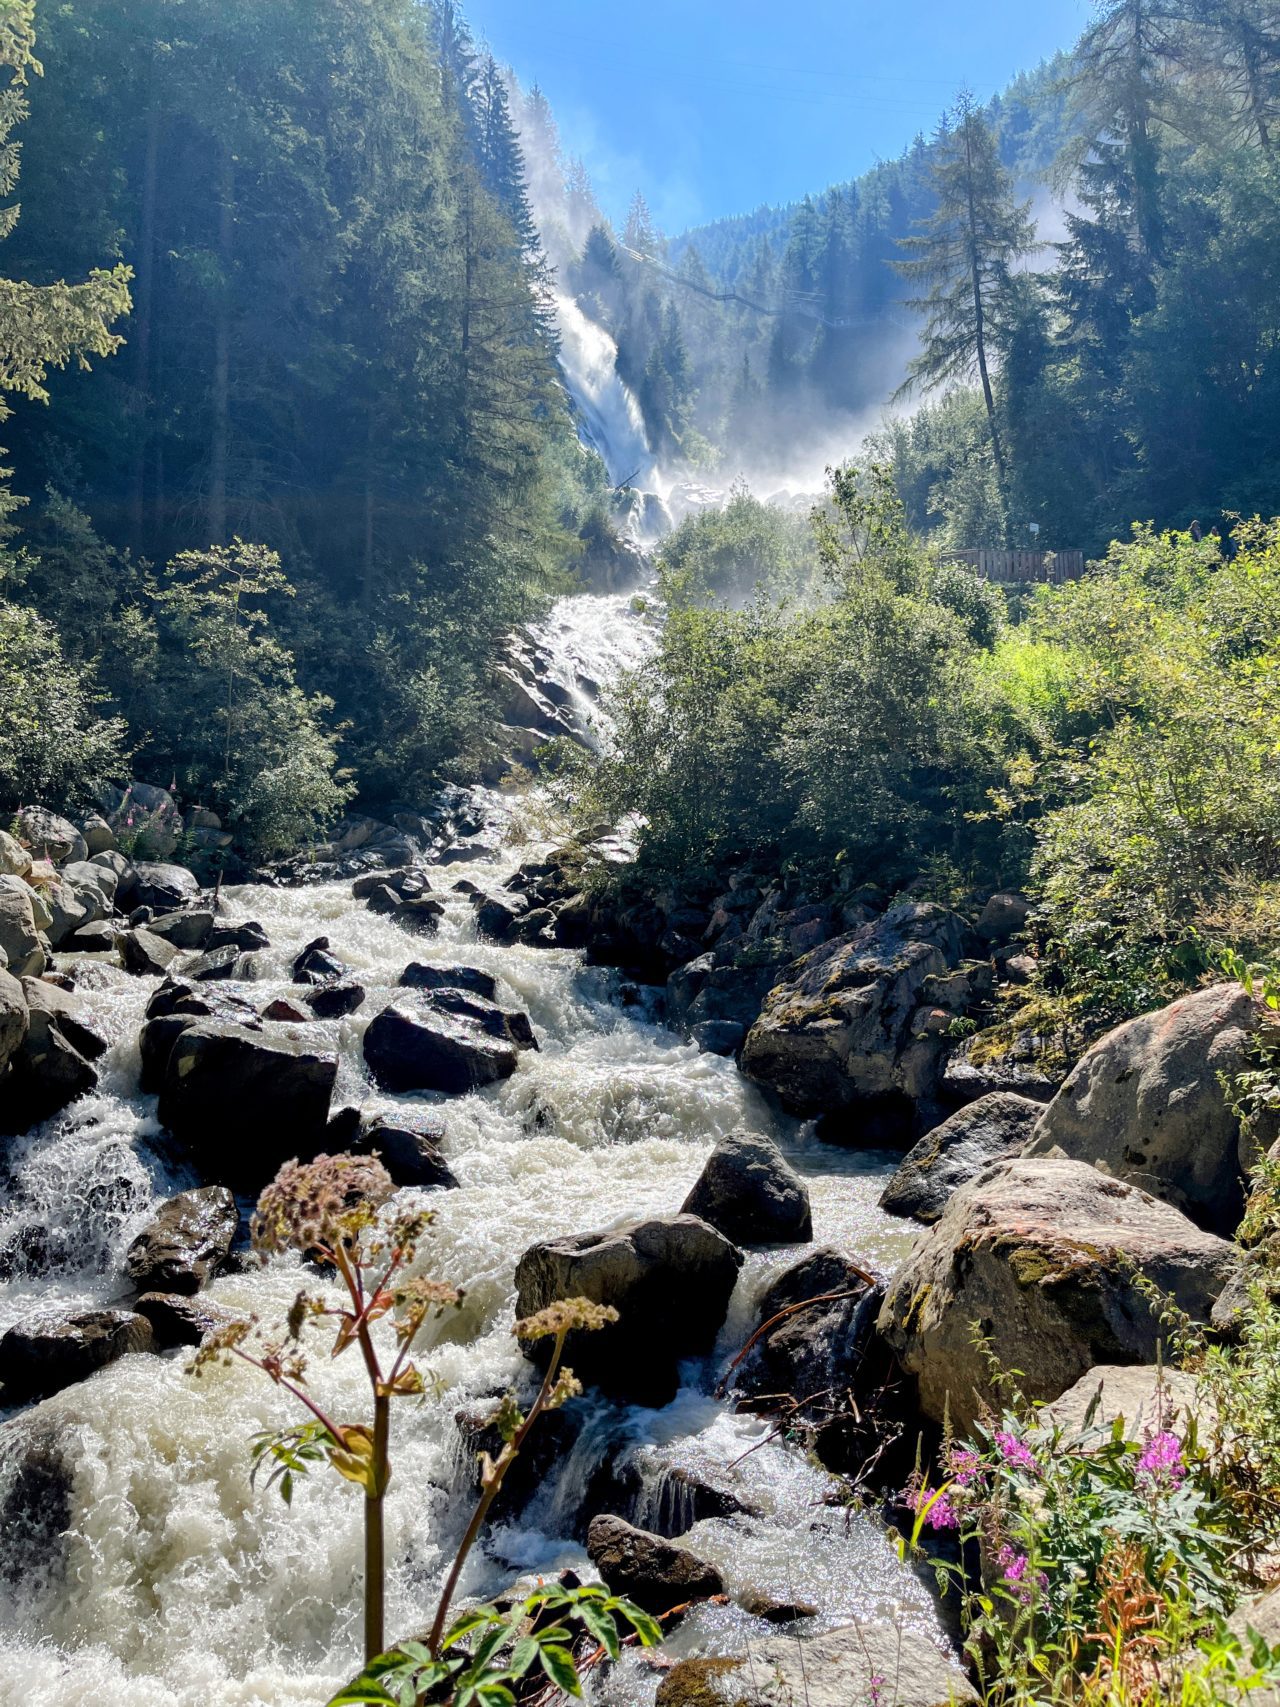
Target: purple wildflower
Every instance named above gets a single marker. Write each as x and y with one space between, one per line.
940 1513
1160 1462
877 1684
1013 1564
963 1466
1015 1451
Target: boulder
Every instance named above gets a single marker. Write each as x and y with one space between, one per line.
37 1484
13 1019
98 835
177 1320
317 962
87 874
50 837
145 953
150 883
188 929
1043 1257
245 1101
670 1279
19 937
47 1072
69 909
333 1001
719 1036
49 1005
186 1243
100 936
155 1045
47 1353
248 936
1148 1398
1005 915
1147 1103
874 1663
749 1192
415 1046
408 1146
498 915
837 1032
495 1019
992 1129
813 1348
654 1573
1024 1064
214 966
416 976
15 861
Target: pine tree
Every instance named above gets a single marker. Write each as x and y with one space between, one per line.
962 260
639 234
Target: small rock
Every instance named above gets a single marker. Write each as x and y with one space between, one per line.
189 929
751 1194
316 963
145 954
408 1146
285 1011
98 835
217 964
771 1611
656 1574
1004 916
248 936
46 1354
186 1243
719 1036
333 1001
416 976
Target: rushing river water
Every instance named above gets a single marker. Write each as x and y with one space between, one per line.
178 1583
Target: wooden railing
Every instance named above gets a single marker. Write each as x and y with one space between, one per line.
1022 566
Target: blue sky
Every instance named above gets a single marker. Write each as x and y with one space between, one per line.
714 106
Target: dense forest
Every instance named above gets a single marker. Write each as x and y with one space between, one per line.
328 336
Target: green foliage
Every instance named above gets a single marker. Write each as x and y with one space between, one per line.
54 744
731 556
980 606
486 1652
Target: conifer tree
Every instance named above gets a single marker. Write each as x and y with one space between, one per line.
961 261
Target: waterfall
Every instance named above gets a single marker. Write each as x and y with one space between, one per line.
610 417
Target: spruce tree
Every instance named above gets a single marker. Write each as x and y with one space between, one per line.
962 261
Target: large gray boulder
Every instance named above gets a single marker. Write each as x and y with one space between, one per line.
19 937
751 1193
186 1243
13 1019
989 1130
838 1033
245 1101
160 886
47 1353
670 1279
15 860
648 1569
873 1663
1044 1258
51 1067
50 837
1148 1104
417 1045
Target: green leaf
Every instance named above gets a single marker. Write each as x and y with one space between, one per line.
645 1626
467 1623
558 1664
523 1655
602 1627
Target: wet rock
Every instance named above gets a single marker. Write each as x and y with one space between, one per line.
248 936
50 837
19 936
334 1001
164 888
317 963
37 1480
822 1310
494 1018
670 1280
146 954
418 912
177 995
1044 1256
13 1020
655 1573
719 1036
992 1129
100 936
284 1011
497 916
751 1193
408 1146
245 1101
155 1045
836 1034
47 1353
186 1243
771 1611
216 965
419 977
863 1662
177 1320
1148 1104
47 1072
50 1005
1005 915
412 1045
188 929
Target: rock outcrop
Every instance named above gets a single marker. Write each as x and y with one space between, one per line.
1047 1258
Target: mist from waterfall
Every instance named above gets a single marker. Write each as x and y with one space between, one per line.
608 413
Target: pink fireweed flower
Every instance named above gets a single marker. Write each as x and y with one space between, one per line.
1015 1451
1013 1564
940 1513
877 1684
1160 1462
963 1466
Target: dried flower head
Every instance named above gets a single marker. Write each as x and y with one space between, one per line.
220 1345
416 1299
320 1205
566 1315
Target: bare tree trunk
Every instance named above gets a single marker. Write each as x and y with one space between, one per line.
146 301
219 444
980 319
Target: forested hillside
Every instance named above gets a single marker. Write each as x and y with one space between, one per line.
335 345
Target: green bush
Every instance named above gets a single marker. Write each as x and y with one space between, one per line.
980 606
732 556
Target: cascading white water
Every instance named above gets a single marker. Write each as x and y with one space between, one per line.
610 415
177 1584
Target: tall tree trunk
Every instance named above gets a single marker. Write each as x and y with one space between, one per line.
980 318
220 439
366 579
1253 83
146 301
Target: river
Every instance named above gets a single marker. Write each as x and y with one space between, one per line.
179 1585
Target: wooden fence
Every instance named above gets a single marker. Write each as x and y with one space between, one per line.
1022 566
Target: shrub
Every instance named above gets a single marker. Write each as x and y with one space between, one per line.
979 604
